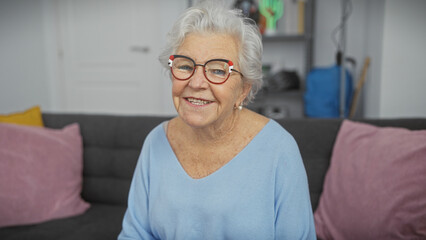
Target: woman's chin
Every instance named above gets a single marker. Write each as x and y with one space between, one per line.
198 117
197 122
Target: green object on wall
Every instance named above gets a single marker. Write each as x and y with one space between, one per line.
272 10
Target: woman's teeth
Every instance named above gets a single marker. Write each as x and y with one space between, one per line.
197 101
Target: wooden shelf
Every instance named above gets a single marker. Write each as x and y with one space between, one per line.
285 37
278 105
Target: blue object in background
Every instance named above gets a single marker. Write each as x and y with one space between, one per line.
322 96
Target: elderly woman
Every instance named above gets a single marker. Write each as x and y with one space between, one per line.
217 170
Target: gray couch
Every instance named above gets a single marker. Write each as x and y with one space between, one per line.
111 148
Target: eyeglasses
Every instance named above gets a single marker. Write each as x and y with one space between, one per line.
216 71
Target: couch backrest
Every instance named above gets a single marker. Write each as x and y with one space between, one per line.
111 149
112 145
315 138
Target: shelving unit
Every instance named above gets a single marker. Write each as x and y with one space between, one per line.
288 104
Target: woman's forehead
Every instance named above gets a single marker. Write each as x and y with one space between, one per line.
205 46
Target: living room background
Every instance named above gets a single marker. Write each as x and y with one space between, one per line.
389 31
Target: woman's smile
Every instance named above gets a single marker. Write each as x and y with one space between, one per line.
197 102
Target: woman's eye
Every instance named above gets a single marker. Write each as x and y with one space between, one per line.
218 72
185 68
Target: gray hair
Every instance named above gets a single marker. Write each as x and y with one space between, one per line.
211 17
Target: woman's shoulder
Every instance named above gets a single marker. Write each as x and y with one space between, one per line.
271 133
157 133
277 133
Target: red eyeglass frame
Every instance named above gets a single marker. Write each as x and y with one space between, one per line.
229 62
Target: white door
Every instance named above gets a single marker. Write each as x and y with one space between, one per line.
108 56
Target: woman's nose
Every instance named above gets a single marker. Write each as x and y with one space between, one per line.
198 79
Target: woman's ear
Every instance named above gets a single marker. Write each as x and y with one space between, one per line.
245 92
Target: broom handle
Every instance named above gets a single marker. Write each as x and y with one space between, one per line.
359 86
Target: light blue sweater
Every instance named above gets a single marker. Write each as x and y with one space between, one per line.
262 193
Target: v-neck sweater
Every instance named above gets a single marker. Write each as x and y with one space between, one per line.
262 193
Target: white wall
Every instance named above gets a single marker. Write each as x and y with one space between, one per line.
403 67
374 41
23 74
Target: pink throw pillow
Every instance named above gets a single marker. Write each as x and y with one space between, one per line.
375 187
40 174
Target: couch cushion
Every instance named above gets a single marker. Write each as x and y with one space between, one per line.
99 222
40 174
31 117
374 188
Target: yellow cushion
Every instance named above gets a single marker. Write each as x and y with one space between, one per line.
31 117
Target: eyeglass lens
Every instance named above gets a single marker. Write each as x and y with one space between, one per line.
215 71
